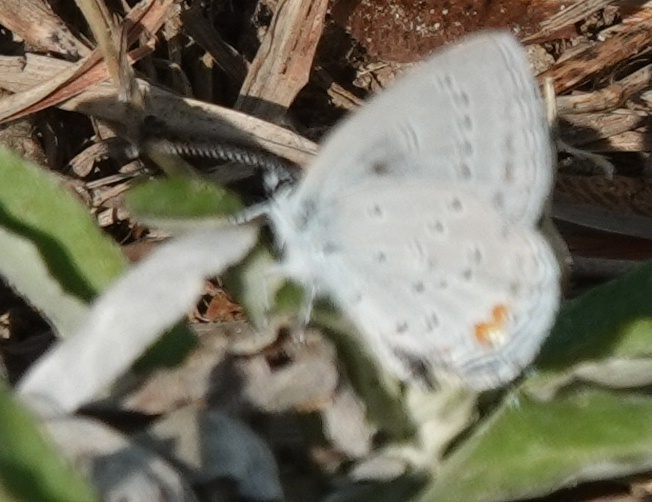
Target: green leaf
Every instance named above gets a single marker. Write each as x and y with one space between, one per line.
541 439
530 448
52 252
181 199
610 320
76 251
168 351
30 468
606 332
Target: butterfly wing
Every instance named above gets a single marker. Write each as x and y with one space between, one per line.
419 217
434 276
471 114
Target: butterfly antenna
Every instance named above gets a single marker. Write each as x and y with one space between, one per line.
220 151
277 172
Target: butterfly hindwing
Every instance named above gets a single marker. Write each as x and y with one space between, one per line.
434 274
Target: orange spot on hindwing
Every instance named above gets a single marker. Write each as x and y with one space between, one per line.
493 331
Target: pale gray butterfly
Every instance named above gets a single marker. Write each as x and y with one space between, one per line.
419 218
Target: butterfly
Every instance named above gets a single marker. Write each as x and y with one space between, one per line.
420 217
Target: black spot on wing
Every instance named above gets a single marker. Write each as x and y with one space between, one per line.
508 171
380 169
456 205
376 211
464 126
508 168
432 321
476 255
499 200
515 288
402 327
330 248
436 227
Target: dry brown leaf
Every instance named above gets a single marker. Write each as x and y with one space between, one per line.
282 65
186 117
629 41
42 29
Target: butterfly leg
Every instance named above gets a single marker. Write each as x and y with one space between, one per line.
302 314
250 214
306 309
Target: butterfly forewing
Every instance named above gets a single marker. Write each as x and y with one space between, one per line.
470 114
